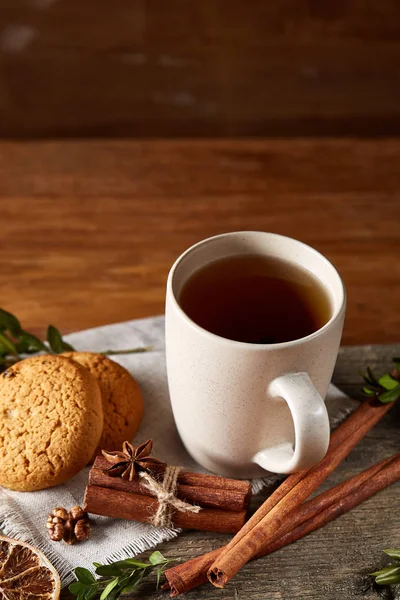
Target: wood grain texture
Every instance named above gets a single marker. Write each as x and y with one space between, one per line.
215 67
90 229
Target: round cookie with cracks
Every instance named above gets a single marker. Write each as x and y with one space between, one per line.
121 396
51 420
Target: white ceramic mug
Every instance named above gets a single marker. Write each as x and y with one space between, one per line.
242 409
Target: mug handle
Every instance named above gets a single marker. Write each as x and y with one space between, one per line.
311 426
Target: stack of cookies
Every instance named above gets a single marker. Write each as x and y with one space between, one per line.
57 412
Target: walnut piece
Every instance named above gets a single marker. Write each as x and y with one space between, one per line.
71 526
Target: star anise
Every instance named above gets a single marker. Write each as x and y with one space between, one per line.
131 460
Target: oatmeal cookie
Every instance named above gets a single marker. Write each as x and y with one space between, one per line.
121 395
51 420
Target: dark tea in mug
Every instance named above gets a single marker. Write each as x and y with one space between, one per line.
256 299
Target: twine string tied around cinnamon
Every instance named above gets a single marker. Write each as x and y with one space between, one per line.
165 493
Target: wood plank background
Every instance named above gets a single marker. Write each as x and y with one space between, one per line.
190 68
89 230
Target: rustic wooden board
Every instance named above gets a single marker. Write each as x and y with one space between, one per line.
215 67
89 230
332 563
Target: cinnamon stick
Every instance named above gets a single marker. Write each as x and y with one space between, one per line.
383 478
196 488
312 515
264 525
189 575
126 505
190 478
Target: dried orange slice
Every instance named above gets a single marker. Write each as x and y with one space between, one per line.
25 573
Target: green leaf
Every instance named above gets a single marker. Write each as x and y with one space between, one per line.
107 590
68 347
56 342
367 378
108 570
9 322
387 382
84 575
3 352
387 576
90 592
134 581
129 588
76 587
373 386
368 392
130 562
393 553
28 343
22 347
384 571
125 578
114 594
156 558
160 573
120 577
372 376
390 395
7 346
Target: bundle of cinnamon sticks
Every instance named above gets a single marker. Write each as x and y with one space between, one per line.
285 516
224 502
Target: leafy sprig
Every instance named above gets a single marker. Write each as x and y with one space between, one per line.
389 575
115 579
15 342
385 388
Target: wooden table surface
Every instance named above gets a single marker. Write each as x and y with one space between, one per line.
91 228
